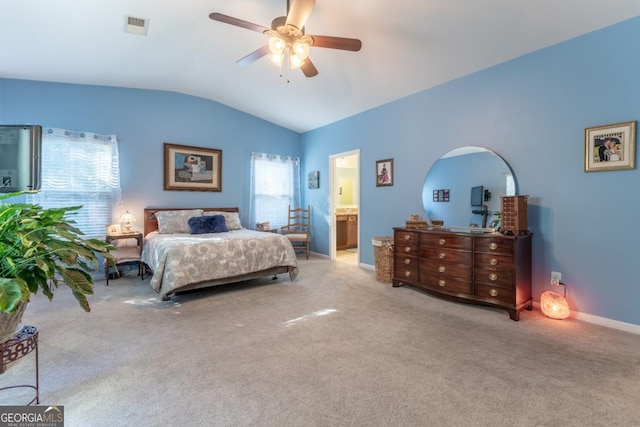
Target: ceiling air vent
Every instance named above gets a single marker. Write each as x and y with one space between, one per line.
136 25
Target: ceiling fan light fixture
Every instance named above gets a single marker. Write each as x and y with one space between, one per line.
276 58
276 45
301 50
295 61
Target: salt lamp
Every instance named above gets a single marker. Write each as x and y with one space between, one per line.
554 305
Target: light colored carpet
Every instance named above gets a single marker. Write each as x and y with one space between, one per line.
334 348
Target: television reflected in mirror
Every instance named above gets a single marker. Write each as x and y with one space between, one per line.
477 195
20 157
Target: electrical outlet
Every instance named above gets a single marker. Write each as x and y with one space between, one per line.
556 277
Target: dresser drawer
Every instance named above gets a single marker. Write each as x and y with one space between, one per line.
429 268
498 294
405 243
494 245
445 255
500 277
445 240
493 261
406 268
447 284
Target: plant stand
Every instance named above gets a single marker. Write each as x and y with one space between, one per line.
23 343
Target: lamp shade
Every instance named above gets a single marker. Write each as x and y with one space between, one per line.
554 305
127 217
126 221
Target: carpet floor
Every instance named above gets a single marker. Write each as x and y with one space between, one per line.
333 348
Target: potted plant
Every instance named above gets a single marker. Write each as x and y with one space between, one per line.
39 249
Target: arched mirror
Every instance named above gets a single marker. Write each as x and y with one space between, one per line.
463 187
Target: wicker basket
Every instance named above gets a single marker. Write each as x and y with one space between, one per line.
383 254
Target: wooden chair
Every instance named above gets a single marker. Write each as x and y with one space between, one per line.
297 230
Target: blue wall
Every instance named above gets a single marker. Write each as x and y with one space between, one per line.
145 120
532 111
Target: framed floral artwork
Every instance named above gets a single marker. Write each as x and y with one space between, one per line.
190 168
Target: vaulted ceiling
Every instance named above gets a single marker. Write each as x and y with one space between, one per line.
408 46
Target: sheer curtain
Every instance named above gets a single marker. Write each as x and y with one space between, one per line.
275 184
81 168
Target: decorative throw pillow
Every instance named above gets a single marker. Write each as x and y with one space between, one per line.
171 222
207 224
232 219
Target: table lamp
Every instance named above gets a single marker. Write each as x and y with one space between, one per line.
126 221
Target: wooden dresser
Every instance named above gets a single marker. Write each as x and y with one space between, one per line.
489 269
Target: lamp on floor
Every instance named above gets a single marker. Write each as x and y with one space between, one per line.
554 305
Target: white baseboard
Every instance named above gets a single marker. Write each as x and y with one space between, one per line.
585 317
602 321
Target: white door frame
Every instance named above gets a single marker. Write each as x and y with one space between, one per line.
332 209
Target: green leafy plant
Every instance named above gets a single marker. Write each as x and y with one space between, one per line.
495 222
40 248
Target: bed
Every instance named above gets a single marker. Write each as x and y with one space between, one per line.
180 261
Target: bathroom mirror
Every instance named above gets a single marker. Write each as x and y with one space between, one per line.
455 179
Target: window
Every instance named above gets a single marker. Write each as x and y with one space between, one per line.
80 168
275 184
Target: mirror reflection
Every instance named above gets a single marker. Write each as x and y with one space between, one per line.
463 187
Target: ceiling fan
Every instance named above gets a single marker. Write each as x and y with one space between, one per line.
288 45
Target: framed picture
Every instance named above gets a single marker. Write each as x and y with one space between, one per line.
113 229
610 147
189 168
314 179
384 172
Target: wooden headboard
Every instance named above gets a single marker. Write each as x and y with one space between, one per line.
151 223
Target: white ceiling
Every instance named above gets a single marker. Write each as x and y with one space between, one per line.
408 46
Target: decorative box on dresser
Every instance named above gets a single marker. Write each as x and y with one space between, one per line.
489 269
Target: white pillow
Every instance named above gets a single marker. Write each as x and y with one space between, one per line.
232 219
171 222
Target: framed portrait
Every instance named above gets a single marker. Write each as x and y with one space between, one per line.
610 147
384 172
314 180
113 229
189 168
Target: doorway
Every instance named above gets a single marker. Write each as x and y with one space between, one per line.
345 207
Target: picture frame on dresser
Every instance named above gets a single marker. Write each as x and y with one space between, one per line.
384 173
610 147
189 168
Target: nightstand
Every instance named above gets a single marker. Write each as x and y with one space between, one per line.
125 255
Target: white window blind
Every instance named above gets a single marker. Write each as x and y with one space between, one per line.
80 168
275 184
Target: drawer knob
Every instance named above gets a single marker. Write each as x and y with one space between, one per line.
442 242
442 283
493 293
407 273
407 261
493 246
493 277
407 249
442 269
442 255
407 237
493 261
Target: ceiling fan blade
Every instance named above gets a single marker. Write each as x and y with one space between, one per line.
299 12
308 68
253 56
336 43
237 22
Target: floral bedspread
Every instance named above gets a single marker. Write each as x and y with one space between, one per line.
178 260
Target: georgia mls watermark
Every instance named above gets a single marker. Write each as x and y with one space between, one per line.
31 416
